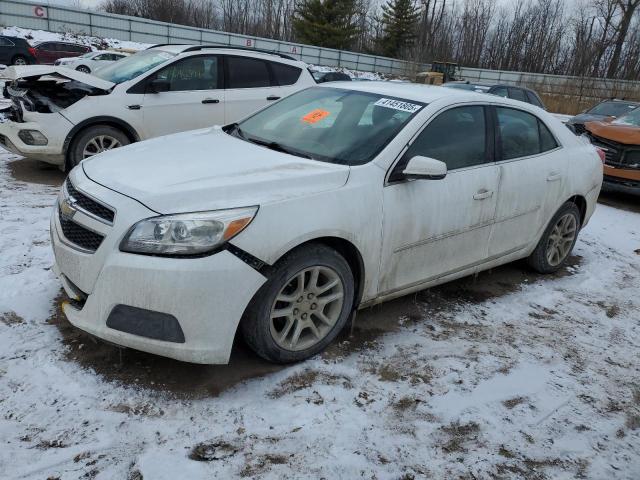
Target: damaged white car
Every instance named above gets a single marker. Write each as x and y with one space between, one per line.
62 116
335 198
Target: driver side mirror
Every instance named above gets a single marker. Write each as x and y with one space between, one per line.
159 85
425 168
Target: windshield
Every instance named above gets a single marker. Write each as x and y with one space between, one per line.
133 66
612 109
632 119
329 124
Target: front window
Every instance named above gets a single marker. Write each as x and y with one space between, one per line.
329 124
133 66
612 109
631 119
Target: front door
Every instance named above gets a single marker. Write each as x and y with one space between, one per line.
195 98
432 228
532 179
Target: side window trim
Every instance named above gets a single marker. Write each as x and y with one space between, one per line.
140 87
499 152
225 85
488 129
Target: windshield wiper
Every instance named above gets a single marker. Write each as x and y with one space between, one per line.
276 146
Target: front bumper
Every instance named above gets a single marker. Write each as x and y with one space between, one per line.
207 296
54 126
625 180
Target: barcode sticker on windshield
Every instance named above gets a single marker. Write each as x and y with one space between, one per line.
398 105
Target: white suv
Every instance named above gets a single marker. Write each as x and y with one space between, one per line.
335 198
62 116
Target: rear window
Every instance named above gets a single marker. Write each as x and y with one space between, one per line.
245 72
285 74
518 94
534 100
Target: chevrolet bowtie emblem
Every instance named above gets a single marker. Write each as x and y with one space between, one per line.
67 208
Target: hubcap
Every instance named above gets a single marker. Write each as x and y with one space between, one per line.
20 61
561 239
99 144
307 308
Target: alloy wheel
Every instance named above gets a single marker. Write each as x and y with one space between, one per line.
307 308
20 61
561 239
99 144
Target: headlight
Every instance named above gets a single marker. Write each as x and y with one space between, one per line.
186 234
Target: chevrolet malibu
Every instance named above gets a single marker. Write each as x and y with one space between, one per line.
331 200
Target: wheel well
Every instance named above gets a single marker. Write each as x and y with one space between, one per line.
581 203
351 254
112 122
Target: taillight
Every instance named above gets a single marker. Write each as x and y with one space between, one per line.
32 51
601 154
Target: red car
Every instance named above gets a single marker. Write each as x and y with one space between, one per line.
49 52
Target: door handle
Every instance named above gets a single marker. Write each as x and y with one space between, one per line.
134 107
553 176
483 194
210 100
272 97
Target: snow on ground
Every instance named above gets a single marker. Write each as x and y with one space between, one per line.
510 375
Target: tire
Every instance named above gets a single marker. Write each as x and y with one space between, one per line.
83 69
556 244
107 136
19 60
267 335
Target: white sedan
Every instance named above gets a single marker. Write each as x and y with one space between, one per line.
92 61
333 199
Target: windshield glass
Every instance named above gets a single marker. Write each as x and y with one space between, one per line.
612 109
133 66
632 119
329 124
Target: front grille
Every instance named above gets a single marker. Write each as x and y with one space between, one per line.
612 150
79 235
89 205
579 128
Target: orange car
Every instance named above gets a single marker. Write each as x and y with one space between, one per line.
620 141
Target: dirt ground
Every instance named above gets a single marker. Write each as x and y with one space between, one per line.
131 367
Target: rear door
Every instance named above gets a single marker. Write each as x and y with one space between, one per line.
251 84
195 99
46 53
533 173
432 228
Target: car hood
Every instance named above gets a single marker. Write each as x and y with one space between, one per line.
209 170
627 134
587 117
30 71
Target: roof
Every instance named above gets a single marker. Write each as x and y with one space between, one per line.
410 91
177 49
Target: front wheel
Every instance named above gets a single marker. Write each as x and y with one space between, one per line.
303 306
94 140
557 241
83 69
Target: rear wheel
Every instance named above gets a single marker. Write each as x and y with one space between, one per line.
83 69
557 241
94 140
19 60
303 306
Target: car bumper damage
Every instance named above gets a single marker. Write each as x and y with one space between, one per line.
33 125
186 309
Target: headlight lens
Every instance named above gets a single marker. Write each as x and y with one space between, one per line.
186 234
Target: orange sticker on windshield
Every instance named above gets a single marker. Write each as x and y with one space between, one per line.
315 116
